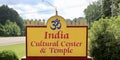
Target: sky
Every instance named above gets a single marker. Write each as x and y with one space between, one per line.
44 9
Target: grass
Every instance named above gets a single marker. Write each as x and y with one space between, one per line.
19 49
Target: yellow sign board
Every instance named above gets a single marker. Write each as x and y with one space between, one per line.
56 39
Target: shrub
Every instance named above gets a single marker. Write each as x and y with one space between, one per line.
105 39
10 29
8 55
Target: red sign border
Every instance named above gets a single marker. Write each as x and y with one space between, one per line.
58 57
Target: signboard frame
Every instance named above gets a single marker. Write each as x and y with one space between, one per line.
57 57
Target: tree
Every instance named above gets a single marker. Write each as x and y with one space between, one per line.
106 8
115 45
105 39
110 8
102 9
93 12
115 27
9 29
7 13
116 10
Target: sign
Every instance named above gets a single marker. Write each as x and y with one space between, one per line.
56 40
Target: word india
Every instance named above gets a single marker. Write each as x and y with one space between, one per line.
60 40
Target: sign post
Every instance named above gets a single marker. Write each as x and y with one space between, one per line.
56 41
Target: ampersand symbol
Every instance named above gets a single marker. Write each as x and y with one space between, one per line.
55 24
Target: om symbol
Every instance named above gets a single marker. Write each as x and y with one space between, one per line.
55 24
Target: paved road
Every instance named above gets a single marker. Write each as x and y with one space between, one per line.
11 40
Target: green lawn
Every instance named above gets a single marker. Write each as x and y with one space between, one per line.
19 49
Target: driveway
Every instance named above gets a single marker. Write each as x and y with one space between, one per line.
11 40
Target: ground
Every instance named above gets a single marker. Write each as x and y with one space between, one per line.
11 40
15 44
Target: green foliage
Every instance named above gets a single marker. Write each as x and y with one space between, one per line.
115 26
7 13
109 6
106 8
8 55
9 29
23 31
93 12
105 39
116 7
116 10
102 9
